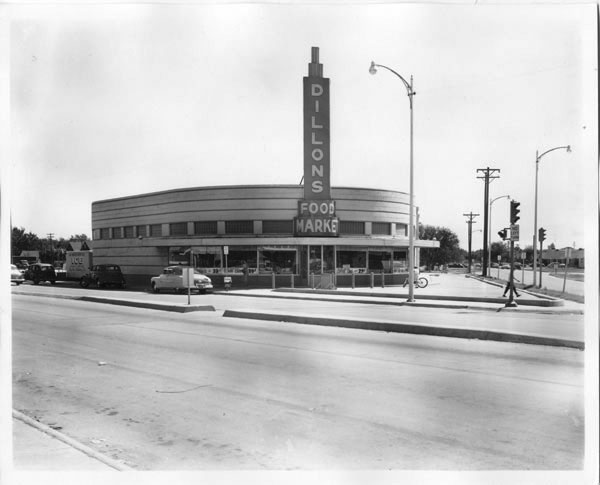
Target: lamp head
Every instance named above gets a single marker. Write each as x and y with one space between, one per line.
372 69
568 148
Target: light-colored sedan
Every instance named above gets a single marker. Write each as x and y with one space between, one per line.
172 279
16 275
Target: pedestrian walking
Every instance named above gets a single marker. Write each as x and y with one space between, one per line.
507 288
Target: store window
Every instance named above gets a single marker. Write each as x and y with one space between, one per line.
105 233
205 227
178 229
381 228
207 259
156 230
351 260
117 232
129 232
241 258
380 261
280 260
400 264
352 227
239 227
141 231
278 227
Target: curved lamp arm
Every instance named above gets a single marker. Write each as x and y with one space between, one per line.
407 85
567 147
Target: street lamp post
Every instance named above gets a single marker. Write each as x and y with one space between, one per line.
490 233
535 228
411 230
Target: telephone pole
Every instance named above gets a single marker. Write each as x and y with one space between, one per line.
470 222
488 174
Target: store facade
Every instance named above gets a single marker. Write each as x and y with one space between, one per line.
263 235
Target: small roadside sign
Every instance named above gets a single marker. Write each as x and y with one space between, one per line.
514 232
225 249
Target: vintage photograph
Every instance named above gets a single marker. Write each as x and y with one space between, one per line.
300 243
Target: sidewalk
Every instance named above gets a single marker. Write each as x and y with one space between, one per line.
37 447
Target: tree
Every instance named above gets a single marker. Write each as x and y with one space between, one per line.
501 249
449 246
79 237
23 241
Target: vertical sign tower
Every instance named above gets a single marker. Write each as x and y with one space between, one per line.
316 212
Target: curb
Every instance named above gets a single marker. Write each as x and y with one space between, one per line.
150 305
411 329
132 303
533 307
71 442
543 302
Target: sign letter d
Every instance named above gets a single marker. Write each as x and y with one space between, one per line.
316 90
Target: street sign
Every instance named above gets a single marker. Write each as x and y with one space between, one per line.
514 232
499 258
225 249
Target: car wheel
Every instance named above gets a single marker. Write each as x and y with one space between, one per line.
53 282
84 282
36 282
17 283
154 288
203 292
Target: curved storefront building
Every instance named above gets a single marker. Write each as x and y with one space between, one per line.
225 230
263 235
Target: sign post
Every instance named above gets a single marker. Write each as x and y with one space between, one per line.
226 252
188 279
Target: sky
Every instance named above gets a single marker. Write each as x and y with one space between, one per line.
116 100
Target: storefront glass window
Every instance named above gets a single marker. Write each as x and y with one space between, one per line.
316 259
380 261
207 259
328 259
241 258
400 262
351 261
277 259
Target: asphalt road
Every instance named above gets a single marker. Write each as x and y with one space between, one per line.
161 391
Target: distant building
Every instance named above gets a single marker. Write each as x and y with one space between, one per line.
79 245
576 257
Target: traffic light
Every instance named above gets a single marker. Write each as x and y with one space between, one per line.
502 234
514 211
541 234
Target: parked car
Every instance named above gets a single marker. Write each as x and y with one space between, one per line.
456 265
16 275
172 279
505 266
39 272
103 275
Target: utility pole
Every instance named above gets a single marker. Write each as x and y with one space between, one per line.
470 222
50 236
488 174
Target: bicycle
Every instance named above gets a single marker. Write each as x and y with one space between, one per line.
420 282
